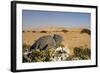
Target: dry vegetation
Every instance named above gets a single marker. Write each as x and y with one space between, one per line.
78 43
64 30
43 31
86 31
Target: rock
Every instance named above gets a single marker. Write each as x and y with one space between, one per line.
47 42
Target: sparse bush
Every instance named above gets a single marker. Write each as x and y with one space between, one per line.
33 31
82 54
87 52
64 30
86 31
77 51
23 31
40 55
43 31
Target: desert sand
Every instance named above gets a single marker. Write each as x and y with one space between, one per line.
71 38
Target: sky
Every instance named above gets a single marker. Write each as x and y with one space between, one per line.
36 19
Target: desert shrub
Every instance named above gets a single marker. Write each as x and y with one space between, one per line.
84 57
82 54
49 54
41 55
43 31
38 56
77 51
87 52
23 31
33 31
86 31
64 30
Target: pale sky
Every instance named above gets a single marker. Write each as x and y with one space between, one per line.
34 19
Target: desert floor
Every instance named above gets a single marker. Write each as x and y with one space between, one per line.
71 39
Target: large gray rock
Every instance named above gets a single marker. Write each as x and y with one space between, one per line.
47 42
